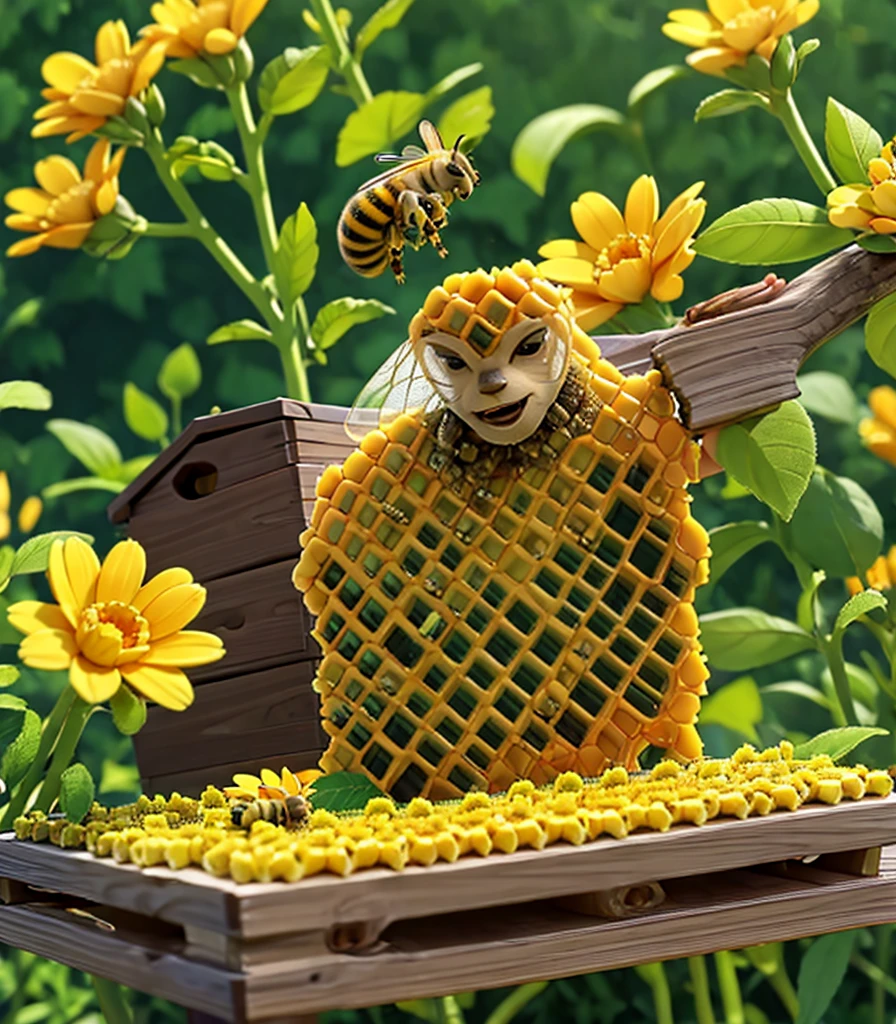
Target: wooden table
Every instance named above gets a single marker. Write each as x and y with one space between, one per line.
260 951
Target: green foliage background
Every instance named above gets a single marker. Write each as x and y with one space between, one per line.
102 324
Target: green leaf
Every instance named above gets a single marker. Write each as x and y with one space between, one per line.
850 141
857 606
827 395
803 51
808 607
450 81
382 19
797 688
541 141
731 542
297 252
76 791
772 456
128 711
340 315
729 101
737 706
24 394
198 71
181 374
239 330
34 554
769 231
343 791
293 80
651 83
7 557
132 468
8 675
93 448
837 743
143 414
880 334
733 490
82 483
821 971
119 778
836 527
470 115
877 243
24 315
8 702
22 751
374 127
736 639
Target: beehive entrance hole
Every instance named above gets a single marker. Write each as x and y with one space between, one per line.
195 480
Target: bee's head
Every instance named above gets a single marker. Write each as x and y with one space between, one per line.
454 172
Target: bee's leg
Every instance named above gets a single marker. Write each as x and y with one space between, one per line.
433 223
396 247
412 218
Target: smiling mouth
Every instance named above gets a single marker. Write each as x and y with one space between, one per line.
503 415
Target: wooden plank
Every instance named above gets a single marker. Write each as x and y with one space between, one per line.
271 714
188 896
261 619
194 781
535 941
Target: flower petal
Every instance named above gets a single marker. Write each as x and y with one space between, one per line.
627 282
122 572
48 649
849 217
31 616
679 230
98 102
82 567
667 286
883 225
172 610
689 35
168 687
93 683
597 219
25 222
220 41
148 66
80 124
883 404
269 777
568 270
68 236
165 580
590 316
797 17
713 60
26 246
66 71
642 205
4 491
188 648
675 207
33 201
244 13
56 174
696 19
724 10
289 782
249 783
112 41
568 247
884 196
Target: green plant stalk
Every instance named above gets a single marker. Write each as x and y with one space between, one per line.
156 229
509 1007
346 64
450 1011
48 737
62 756
872 971
784 107
832 649
176 417
206 235
291 345
655 976
729 987
882 936
700 983
112 1002
783 986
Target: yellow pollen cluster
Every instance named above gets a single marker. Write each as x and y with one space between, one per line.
179 832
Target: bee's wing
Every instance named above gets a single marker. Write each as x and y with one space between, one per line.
397 386
430 135
386 175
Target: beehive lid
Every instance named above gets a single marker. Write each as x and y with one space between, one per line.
204 427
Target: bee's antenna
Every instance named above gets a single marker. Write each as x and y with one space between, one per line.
460 139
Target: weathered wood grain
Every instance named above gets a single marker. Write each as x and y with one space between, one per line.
272 715
261 619
191 782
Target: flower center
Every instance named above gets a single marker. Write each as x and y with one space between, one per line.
745 31
73 206
623 247
113 76
107 628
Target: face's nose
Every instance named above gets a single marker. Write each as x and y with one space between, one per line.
491 382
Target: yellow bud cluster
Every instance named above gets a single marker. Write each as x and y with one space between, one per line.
179 832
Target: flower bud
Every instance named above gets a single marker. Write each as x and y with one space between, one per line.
243 60
154 102
114 235
783 66
121 131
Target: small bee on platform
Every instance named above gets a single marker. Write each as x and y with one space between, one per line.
404 205
276 806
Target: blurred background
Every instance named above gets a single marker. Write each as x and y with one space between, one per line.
102 324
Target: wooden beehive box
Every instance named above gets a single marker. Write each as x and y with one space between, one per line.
228 500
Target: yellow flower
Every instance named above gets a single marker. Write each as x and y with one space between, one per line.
190 27
733 29
622 258
29 510
878 431
62 212
5 525
82 95
250 787
108 625
881 574
868 206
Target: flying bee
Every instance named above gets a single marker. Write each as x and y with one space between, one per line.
407 204
273 804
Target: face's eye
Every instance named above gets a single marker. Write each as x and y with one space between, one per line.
452 362
530 346
426 206
455 169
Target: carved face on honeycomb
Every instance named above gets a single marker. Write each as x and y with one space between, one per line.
502 395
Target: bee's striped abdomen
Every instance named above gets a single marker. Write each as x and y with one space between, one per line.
363 229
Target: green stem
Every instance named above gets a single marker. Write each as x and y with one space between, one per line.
882 938
204 233
655 976
63 754
346 64
700 984
784 107
52 726
176 416
729 987
832 649
155 229
112 1002
291 344
509 1007
872 971
783 986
